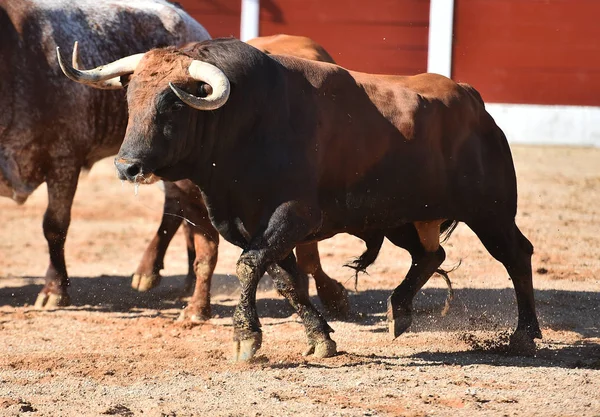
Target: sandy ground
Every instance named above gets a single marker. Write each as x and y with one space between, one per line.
118 352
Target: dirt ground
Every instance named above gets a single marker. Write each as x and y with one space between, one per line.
119 352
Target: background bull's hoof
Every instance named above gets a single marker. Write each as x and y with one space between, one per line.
195 315
521 344
244 350
145 282
51 300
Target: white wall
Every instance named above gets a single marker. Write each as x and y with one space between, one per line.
522 123
250 19
548 125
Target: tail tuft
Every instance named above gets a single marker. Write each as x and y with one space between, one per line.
369 256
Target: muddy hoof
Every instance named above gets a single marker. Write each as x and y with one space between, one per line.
325 349
244 350
521 344
322 349
143 282
400 324
337 304
50 300
194 316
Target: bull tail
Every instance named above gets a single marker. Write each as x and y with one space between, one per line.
369 256
374 244
446 230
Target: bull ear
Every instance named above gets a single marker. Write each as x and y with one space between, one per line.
124 79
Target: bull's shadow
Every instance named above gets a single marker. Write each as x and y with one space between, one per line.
472 308
583 355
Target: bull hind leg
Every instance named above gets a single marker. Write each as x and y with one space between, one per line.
422 242
147 274
62 184
205 247
505 242
332 294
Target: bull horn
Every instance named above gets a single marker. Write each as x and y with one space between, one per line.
112 84
211 75
99 77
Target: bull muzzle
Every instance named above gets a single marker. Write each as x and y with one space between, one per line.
130 170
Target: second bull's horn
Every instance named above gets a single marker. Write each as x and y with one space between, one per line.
94 77
211 75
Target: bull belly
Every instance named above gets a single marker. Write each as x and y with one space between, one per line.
355 220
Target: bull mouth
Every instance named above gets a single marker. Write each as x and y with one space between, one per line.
134 172
148 178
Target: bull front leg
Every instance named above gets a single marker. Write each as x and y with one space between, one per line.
271 250
62 184
204 240
288 281
147 274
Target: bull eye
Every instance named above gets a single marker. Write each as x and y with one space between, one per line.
176 106
168 131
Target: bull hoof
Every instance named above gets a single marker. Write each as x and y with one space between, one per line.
194 315
143 282
325 349
521 344
51 300
399 318
337 304
244 350
399 324
322 349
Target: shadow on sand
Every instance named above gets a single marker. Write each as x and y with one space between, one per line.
472 309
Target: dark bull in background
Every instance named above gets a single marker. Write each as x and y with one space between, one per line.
51 128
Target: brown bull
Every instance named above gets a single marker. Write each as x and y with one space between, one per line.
287 151
183 200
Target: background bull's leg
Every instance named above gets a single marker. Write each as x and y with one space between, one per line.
190 278
505 242
288 278
62 184
333 295
147 275
205 246
425 261
289 223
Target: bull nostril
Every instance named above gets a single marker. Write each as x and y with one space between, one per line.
132 170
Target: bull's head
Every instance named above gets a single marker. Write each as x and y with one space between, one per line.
159 120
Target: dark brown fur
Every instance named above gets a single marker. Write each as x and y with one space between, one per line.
303 150
184 200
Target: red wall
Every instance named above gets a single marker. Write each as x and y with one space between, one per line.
220 17
529 51
380 36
